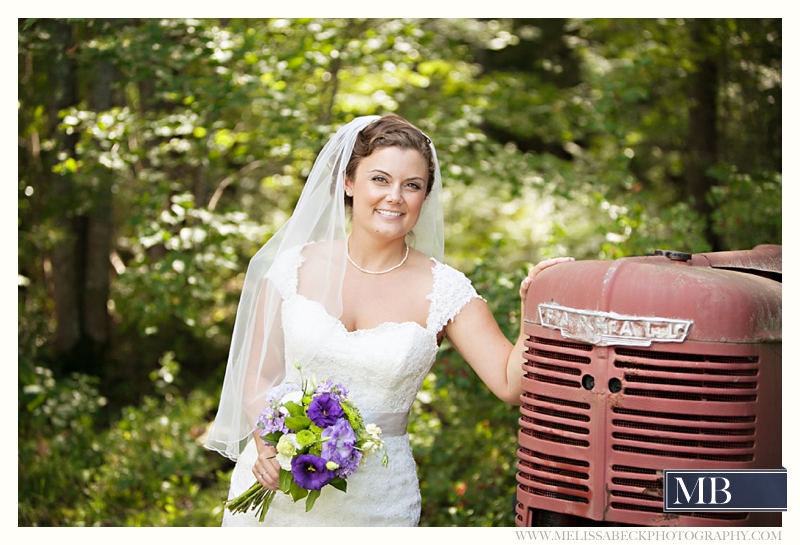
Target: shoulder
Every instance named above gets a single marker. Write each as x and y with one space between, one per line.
283 272
449 279
452 291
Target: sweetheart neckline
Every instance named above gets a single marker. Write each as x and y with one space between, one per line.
360 331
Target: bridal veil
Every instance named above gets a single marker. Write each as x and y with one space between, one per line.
256 358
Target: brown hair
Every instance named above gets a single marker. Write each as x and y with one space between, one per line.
390 130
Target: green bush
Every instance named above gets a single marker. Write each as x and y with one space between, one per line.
57 445
154 471
147 469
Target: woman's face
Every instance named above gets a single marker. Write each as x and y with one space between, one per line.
388 191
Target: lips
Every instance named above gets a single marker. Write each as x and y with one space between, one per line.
389 213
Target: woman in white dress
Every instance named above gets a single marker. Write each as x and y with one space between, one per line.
366 309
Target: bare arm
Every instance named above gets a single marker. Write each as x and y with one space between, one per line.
477 337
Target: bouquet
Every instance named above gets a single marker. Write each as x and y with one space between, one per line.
321 439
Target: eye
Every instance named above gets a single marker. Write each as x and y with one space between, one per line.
378 178
416 186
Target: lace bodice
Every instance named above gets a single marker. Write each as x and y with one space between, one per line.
383 368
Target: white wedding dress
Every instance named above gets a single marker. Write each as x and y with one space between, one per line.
383 368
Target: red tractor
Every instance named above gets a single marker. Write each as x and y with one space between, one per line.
634 366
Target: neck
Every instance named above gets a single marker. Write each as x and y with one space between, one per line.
374 255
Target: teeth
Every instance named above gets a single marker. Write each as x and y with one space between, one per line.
388 213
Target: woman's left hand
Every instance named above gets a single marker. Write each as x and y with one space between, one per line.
526 283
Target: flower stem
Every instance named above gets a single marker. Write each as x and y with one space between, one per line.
254 497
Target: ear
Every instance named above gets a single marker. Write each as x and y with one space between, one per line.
348 187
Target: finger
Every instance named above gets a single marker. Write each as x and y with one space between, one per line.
267 471
268 481
550 262
542 265
272 476
267 478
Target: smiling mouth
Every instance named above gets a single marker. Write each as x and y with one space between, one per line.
389 213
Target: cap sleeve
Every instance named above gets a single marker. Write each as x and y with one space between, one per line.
283 273
452 290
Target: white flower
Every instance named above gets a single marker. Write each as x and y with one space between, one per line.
374 443
369 448
295 396
287 447
374 431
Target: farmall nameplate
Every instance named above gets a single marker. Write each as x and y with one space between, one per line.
610 328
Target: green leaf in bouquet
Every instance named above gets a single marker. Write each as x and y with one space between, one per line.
297 492
297 423
294 409
272 438
286 480
339 484
312 497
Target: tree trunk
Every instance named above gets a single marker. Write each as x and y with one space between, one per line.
99 230
702 140
81 265
65 259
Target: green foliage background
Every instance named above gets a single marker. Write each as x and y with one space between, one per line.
187 142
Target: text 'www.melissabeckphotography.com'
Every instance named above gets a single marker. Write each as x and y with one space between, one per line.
649 535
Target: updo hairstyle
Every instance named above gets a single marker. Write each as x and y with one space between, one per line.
390 130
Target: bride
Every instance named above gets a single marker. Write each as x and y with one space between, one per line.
366 309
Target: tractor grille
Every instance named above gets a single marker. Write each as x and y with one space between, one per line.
646 410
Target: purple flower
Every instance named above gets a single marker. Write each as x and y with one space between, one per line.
337 391
309 472
324 411
341 447
271 420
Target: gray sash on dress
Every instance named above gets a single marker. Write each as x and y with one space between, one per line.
391 424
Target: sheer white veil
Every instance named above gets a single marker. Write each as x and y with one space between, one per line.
256 358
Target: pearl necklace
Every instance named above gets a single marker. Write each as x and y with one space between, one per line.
347 250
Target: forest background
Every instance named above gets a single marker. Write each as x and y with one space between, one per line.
156 156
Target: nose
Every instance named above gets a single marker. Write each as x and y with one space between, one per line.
395 193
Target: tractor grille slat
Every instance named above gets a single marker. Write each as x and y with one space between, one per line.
553 380
624 364
679 356
744 419
682 429
747 457
553 412
551 458
556 401
689 396
555 438
554 470
669 381
555 425
554 495
553 482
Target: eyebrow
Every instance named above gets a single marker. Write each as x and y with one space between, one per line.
390 176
